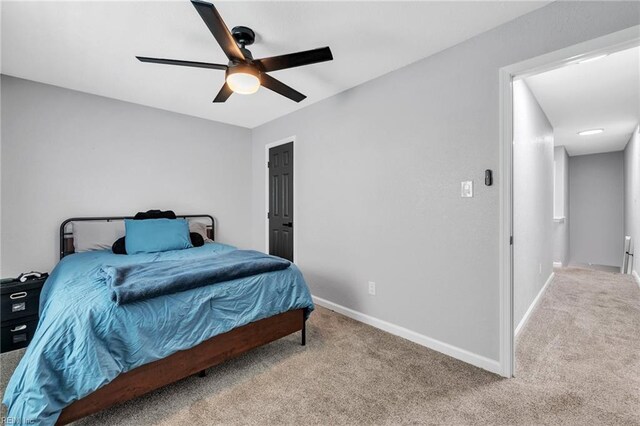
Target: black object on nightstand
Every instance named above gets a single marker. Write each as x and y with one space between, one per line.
19 311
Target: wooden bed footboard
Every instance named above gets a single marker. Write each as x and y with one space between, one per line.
157 374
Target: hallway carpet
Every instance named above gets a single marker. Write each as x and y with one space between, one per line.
578 363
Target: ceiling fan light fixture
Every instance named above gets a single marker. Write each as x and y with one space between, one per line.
244 74
243 79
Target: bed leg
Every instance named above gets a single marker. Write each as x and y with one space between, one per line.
203 373
304 333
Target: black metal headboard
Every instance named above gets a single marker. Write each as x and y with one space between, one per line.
66 238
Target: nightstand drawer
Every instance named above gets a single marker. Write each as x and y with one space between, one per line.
17 334
20 303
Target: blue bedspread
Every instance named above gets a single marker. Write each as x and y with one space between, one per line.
84 339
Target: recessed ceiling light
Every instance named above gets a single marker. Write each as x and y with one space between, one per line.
590 132
595 58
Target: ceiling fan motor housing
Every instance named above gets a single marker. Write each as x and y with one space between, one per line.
243 69
244 36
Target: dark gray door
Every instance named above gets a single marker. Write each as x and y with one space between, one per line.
281 201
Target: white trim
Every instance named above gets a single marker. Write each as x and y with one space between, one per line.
507 346
296 218
636 277
610 43
445 348
557 264
527 314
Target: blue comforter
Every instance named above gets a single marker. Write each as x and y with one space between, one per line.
84 340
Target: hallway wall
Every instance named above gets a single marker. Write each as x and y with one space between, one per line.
561 206
532 199
596 194
632 195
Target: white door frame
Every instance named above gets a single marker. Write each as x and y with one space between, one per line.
610 43
296 220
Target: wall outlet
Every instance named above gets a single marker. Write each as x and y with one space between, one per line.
372 288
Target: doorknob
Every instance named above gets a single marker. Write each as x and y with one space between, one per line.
288 224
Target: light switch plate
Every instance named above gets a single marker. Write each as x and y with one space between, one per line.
466 189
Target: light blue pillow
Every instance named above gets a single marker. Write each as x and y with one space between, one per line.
156 235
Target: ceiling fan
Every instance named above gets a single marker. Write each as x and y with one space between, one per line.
243 74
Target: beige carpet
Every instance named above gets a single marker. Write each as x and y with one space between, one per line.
578 363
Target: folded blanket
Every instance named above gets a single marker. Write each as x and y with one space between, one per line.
129 283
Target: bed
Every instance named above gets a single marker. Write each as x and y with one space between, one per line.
89 353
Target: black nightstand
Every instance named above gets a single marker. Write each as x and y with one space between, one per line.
19 312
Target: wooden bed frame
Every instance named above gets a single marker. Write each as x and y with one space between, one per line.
157 374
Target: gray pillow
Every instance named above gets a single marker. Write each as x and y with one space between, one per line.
90 235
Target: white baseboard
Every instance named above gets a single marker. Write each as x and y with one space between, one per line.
636 276
445 348
527 314
557 264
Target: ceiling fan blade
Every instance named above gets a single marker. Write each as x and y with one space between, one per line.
218 28
280 88
223 94
183 63
292 60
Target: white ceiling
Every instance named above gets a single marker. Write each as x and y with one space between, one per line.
90 46
604 93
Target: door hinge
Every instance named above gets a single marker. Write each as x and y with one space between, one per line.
511 240
268 164
268 215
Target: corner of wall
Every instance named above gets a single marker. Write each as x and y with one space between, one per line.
426 341
533 305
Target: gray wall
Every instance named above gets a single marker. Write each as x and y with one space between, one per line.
66 153
632 194
378 179
532 199
597 208
561 206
